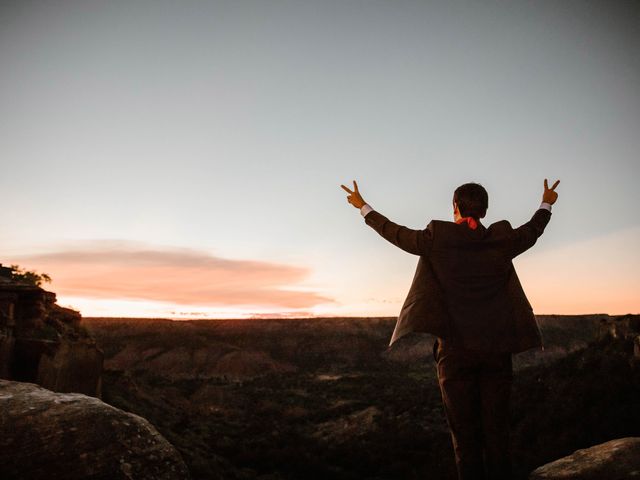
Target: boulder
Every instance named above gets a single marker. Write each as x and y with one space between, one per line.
47 435
614 460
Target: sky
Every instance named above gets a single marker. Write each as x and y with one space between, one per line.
184 159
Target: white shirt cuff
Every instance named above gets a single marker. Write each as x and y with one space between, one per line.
545 205
366 208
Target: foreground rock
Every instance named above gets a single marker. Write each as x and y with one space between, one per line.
47 435
615 460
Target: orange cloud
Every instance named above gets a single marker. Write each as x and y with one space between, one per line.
126 270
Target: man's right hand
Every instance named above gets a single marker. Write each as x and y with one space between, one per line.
550 196
354 197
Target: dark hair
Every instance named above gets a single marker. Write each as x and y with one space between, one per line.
472 200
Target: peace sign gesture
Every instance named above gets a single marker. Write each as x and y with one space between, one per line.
354 197
550 196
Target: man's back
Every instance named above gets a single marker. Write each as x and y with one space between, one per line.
465 286
466 292
474 270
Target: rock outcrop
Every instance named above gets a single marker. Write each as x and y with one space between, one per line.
345 428
44 343
615 460
47 435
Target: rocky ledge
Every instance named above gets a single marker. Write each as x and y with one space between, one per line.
614 460
47 435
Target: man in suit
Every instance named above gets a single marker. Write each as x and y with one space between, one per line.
466 293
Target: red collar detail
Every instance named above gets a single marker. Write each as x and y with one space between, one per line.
470 221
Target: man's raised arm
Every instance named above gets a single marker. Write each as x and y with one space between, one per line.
417 242
526 235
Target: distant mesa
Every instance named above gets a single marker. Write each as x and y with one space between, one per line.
213 361
44 343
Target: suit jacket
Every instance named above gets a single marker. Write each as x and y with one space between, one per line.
465 287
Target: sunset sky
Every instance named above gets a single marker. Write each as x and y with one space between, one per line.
184 159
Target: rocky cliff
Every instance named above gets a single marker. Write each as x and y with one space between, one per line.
44 343
47 435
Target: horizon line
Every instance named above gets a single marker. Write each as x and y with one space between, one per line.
331 317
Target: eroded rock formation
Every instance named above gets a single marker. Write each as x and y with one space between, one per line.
47 435
44 343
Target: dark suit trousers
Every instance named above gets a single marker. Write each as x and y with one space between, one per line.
476 388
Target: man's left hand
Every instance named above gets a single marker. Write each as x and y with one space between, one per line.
354 197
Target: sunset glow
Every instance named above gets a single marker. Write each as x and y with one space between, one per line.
185 161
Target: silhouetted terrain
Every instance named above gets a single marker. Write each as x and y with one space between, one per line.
325 399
